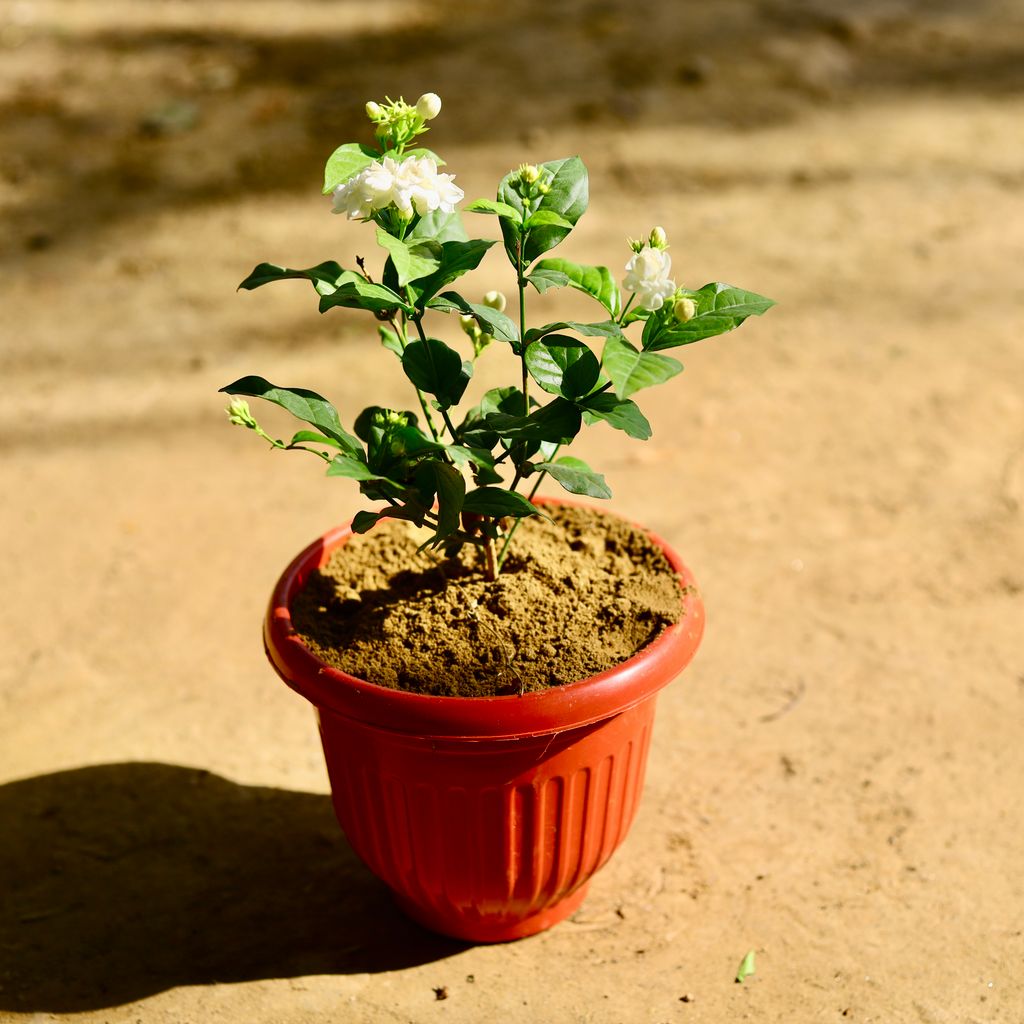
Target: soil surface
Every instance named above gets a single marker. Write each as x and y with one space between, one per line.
576 595
835 781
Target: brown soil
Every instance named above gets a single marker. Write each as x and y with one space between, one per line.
576 596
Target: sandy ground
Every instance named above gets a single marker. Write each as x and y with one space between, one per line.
835 783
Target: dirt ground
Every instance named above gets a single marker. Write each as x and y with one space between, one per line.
835 783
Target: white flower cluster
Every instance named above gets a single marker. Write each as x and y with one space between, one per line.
647 275
412 186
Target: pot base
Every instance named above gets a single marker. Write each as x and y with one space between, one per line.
488 931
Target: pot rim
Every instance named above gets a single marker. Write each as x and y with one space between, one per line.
567 706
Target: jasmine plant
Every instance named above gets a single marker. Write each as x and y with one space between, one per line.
463 474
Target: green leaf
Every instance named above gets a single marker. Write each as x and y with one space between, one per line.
440 226
363 522
312 437
438 370
495 501
456 259
746 968
421 151
568 196
501 209
479 458
490 320
543 279
451 492
390 340
622 414
603 329
326 277
576 477
411 262
363 295
305 405
563 366
346 162
508 400
354 469
546 217
595 281
630 370
558 421
720 308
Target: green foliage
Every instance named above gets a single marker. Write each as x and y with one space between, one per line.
567 196
454 260
622 414
490 320
576 477
595 281
450 472
438 370
720 308
346 162
630 370
563 366
376 298
326 277
411 262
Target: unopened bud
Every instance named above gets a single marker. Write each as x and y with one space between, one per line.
374 111
428 106
239 414
635 244
684 309
467 323
658 239
495 300
528 173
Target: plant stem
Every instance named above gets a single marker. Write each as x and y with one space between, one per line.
625 309
404 341
492 565
533 493
521 282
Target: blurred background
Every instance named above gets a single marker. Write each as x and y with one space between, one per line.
836 780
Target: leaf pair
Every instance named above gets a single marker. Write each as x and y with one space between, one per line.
719 308
541 224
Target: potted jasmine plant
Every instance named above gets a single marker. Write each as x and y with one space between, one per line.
480 763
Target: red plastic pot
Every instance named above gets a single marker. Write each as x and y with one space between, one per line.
487 816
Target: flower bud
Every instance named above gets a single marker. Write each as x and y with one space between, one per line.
684 309
239 414
636 244
467 323
658 239
428 106
528 173
374 111
495 300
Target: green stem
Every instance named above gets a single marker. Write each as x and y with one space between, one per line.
533 493
521 282
625 309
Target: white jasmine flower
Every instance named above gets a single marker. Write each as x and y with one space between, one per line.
428 106
647 275
425 189
414 185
